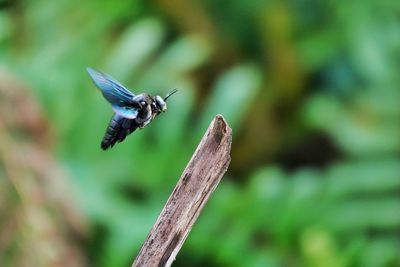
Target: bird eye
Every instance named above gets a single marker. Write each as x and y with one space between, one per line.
143 103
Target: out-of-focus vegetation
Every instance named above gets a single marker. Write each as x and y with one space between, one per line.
310 88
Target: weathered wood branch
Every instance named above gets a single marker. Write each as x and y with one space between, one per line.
198 181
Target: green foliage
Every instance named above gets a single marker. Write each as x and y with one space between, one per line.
280 73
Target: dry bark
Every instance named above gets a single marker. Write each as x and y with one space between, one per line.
198 181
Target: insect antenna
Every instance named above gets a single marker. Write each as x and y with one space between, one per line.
173 91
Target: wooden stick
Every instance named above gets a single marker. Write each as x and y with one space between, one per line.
199 179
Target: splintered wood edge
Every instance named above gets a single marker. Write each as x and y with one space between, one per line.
198 181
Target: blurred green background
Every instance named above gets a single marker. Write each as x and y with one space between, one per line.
311 90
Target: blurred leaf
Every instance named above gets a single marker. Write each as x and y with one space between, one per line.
233 94
135 46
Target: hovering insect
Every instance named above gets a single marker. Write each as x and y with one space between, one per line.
130 111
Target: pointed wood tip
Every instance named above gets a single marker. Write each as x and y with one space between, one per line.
220 129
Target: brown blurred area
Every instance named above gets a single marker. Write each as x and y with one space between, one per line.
39 224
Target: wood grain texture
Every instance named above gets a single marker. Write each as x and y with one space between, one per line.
198 181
